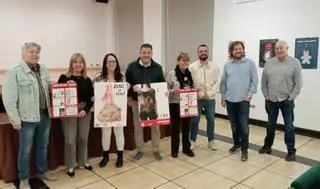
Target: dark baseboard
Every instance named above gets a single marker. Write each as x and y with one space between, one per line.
300 131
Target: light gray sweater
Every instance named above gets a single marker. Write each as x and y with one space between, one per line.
281 80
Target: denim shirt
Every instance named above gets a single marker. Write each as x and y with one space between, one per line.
21 93
239 80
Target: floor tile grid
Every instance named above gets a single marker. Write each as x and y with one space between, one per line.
268 170
171 180
265 168
199 167
203 167
116 174
237 182
142 166
262 169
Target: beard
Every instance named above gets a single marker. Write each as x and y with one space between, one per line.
238 56
203 57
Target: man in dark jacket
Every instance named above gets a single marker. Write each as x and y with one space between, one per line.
143 71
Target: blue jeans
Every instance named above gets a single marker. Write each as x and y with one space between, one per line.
209 107
238 113
286 108
39 133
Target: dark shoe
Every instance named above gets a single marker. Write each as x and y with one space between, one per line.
244 154
87 167
105 159
174 155
189 153
265 150
138 155
119 162
70 172
291 156
234 149
157 156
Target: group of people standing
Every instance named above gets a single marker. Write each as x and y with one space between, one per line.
26 99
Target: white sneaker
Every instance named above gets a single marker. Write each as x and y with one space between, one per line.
48 176
211 146
24 184
192 144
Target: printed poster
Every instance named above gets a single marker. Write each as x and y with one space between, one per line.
153 104
110 104
64 100
306 51
267 50
188 102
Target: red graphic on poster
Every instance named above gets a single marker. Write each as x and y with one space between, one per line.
64 98
188 102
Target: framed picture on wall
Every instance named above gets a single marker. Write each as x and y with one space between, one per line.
306 51
267 50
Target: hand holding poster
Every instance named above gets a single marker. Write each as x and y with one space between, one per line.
110 104
64 100
188 102
153 104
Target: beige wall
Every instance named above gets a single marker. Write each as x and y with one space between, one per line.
129 30
189 24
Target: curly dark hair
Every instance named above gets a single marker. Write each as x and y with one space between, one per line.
232 45
118 76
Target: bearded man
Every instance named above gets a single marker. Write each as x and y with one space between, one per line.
238 84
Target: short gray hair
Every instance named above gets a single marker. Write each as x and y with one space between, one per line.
27 45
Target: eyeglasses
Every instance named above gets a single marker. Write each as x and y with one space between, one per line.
111 62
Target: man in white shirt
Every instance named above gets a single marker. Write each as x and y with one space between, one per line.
206 77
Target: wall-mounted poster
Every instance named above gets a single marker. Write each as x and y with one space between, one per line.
153 104
110 104
64 98
267 50
188 102
306 51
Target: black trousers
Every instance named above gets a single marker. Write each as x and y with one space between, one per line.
176 124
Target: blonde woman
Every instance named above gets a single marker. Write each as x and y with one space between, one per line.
76 129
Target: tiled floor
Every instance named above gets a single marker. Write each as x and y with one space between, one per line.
208 169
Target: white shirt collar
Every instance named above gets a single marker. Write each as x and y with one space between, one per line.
141 63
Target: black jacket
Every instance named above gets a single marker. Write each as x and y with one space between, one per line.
137 74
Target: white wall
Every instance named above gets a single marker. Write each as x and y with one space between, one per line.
268 19
61 27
